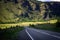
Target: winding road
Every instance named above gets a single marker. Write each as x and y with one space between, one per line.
35 34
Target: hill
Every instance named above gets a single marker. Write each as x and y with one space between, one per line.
13 11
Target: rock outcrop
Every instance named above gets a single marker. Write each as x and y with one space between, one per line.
27 10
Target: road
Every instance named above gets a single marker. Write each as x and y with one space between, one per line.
35 34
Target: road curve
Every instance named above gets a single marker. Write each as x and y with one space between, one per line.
35 34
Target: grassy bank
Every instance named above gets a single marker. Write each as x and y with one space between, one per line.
3 26
50 27
10 33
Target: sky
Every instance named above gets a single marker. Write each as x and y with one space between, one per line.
49 0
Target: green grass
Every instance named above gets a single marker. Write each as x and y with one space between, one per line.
10 33
50 27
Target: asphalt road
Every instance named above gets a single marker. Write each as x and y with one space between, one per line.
35 34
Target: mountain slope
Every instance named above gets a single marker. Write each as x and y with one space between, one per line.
12 11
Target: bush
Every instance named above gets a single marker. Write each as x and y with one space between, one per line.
57 24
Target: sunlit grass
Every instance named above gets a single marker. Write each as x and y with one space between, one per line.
52 25
52 21
3 26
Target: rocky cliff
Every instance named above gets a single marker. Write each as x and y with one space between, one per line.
12 11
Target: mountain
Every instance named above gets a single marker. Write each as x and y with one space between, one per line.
12 11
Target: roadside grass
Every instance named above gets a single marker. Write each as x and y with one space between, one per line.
48 26
10 33
3 26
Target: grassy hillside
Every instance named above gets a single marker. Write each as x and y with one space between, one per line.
14 11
